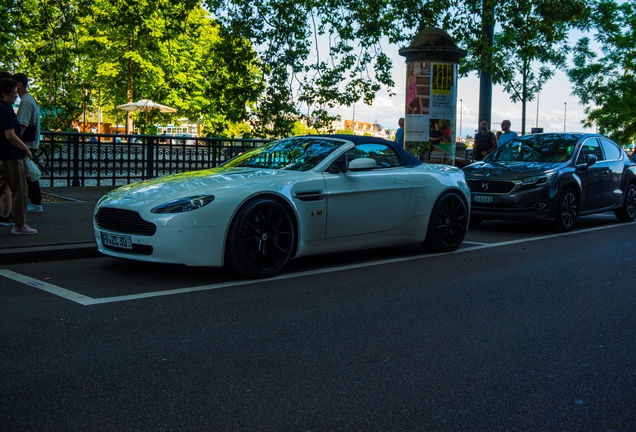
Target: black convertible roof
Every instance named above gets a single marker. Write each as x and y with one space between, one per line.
407 158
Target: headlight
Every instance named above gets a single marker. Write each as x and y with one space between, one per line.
539 180
184 204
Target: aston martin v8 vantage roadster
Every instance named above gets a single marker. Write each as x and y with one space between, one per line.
289 198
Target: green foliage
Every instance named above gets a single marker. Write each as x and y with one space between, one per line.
345 131
530 42
84 56
268 62
606 82
301 128
320 54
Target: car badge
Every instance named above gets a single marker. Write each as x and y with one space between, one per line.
484 186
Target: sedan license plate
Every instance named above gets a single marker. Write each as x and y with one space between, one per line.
116 240
487 199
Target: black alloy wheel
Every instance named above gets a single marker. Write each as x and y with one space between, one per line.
448 225
567 210
261 239
627 212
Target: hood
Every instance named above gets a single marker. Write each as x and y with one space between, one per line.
508 170
174 186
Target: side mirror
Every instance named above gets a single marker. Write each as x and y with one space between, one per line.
362 164
590 160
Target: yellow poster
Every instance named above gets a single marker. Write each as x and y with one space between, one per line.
442 78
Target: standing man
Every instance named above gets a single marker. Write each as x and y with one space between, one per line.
506 133
6 218
485 141
399 134
29 118
12 154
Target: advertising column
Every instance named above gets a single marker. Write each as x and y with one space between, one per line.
431 96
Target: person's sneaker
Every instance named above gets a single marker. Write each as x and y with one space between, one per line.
24 230
34 208
8 221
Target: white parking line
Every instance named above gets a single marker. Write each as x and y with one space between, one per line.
45 286
88 301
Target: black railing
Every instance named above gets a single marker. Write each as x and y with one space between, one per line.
81 159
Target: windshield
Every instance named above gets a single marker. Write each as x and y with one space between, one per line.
295 154
537 148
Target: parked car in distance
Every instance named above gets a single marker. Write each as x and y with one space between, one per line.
294 197
553 176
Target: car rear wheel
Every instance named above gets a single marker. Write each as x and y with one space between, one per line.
448 224
627 212
567 211
261 239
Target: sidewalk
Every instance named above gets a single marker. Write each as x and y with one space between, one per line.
65 228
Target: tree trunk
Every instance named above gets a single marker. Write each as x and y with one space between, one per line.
129 88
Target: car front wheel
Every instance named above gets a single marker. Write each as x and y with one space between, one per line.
261 239
567 211
627 212
448 225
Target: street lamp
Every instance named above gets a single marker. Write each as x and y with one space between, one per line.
461 112
536 124
565 113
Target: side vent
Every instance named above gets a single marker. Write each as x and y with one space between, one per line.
310 196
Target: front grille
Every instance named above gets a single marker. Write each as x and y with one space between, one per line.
123 221
486 186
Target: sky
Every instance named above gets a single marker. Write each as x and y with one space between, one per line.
556 104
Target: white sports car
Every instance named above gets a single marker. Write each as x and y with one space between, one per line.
294 197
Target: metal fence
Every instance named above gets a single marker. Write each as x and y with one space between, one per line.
83 159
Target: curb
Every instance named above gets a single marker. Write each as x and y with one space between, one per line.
48 253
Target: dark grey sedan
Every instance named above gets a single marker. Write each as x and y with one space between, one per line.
553 176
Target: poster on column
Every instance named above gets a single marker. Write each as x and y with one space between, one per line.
430 111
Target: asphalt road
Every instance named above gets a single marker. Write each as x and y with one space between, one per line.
521 329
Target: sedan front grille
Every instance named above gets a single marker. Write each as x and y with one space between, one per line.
123 221
495 187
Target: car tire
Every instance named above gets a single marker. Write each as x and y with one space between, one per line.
448 224
261 239
627 212
567 210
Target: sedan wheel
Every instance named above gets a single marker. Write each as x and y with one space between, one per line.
261 239
627 212
448 224
568 210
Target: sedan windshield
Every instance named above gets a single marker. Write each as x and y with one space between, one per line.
295 154
537 148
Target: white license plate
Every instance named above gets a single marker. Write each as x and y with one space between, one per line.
483 198
116 240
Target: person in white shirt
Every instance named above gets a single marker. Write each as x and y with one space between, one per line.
29 118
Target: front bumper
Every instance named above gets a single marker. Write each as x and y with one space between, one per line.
536 203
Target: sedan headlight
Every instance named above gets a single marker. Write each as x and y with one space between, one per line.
184 204
539 180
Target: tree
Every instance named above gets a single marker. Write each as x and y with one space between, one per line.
530 42
172 52
49 55
320 54
607 82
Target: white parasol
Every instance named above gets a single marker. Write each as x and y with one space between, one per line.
146 105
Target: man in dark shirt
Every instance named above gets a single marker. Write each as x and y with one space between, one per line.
12 154
485 141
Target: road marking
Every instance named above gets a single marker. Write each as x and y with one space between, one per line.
89 301
45 286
